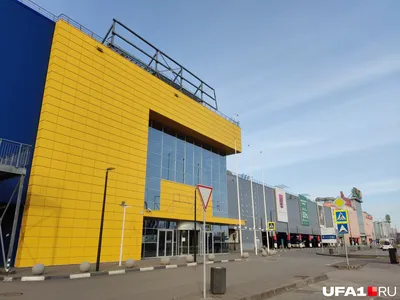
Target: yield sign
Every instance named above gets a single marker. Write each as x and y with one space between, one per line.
205 194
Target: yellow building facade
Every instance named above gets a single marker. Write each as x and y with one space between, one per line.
95 115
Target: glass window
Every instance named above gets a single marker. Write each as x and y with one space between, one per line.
189 178
153 171
180 146
168 143
179 177
169 161
154 158
206 163
153 183
189 151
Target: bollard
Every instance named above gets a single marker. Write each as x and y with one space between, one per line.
330 251
218 280
393 256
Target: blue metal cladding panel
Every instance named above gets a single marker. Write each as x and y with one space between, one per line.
26 38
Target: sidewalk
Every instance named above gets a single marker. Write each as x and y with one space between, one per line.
244 279
67 270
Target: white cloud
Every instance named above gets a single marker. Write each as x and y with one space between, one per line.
322 84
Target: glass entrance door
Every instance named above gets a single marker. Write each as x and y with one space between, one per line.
184 240
209 240
165 242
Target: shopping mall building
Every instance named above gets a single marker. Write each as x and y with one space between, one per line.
79 108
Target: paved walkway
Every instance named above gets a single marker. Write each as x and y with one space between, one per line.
375 274
73 269
244 278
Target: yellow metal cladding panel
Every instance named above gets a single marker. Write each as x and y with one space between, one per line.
95 115
177 203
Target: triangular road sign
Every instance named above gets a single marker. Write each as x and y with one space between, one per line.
205 194
341 217
343 228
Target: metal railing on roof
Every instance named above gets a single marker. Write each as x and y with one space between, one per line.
14 154
159 63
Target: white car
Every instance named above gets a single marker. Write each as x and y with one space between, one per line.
387 246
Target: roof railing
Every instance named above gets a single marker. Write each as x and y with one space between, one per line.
158 63
14 154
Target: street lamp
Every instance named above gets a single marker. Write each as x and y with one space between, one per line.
124 206
102 221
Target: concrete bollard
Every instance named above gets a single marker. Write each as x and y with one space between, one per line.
189 258
211 257
264 253
129 263
38 269
84 267
245 255
165 261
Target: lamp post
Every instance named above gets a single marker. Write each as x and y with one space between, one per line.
265 209
238 203
252 206
102 221
124 206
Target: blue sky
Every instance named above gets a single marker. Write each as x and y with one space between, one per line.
315 83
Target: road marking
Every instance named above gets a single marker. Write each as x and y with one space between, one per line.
192 264
336 262
224 260
7 279
116 272
238 259
32 278
147 269
209 262
171 266
77 276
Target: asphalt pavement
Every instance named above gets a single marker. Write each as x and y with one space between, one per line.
244 278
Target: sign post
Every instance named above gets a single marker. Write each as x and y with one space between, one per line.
342 222
205 195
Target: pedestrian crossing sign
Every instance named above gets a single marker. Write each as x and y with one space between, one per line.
341 216
343 228
271 226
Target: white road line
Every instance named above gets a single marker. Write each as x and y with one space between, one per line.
192 264
171 266
7 279
77 276
224 260
147 269
116 272
238 259
209 262
32 278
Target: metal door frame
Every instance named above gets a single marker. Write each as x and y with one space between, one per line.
165 241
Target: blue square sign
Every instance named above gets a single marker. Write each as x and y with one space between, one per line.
343 228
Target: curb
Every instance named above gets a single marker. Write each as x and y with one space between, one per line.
112 272
345 267
354 255
286 288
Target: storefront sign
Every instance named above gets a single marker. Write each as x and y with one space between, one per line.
281 207
303 201
321 215
328 235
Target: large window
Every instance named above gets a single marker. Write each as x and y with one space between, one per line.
178 158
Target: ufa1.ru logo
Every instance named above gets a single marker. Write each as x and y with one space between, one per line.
372 291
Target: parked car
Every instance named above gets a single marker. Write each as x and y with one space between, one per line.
386 246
